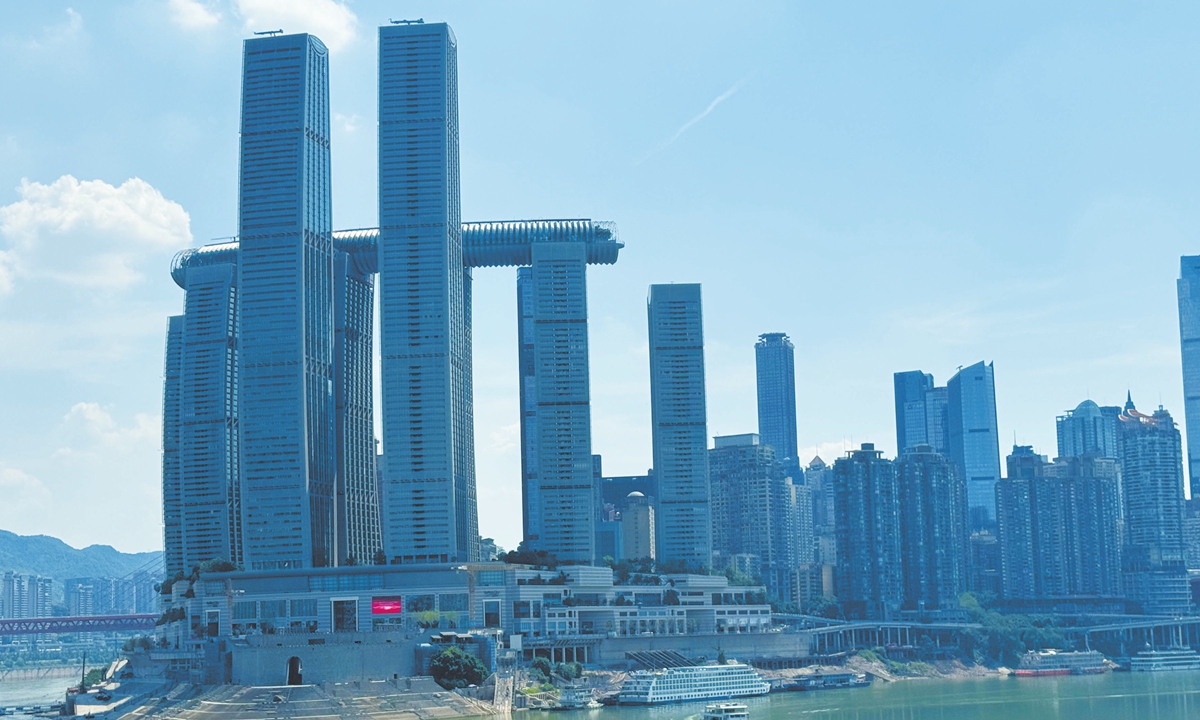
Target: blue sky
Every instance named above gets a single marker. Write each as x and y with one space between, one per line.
897 188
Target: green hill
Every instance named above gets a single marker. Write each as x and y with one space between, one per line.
51 557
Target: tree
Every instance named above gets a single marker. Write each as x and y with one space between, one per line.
541 666
524 555
452 668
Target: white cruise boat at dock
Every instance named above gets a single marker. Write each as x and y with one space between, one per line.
1161 660
693 682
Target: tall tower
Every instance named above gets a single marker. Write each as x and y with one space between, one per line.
171 469
973 439
933 531
910 390
1188 287
285 279
429 506
679 421
1088 430
867 505
775 365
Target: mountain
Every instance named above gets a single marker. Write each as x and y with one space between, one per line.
51 557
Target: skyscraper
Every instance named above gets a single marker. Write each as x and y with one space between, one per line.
775 365
1088 430
756 511
1188 288
1058 523
429 512
285 286
680 425
171 469
920 411
933 530
868 578
973 440
1152 478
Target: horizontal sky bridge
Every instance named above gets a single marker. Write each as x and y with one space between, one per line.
87 624
505 243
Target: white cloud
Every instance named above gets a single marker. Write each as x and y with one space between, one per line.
91 428
55 35
687 125
192 14
349 122
88 234
27 501
329 20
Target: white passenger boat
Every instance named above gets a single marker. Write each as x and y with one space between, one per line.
726 711
697 682
1160 660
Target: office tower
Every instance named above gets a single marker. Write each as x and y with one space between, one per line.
819 478
560 495
775 366
429 512
920 411
1152 479
171 469
972 436
285 293
201 485
756 511
933 531
1188 287
867 505
1088 430
1059 527
638 531
679 424
355 262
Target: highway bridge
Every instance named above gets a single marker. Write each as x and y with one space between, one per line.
87 624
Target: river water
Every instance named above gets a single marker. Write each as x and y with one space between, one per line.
1138 696
35 692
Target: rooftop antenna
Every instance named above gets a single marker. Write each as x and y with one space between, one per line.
418 21
272 33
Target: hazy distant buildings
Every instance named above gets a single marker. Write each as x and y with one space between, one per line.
920 411
679 424
818 477
1088 430
1152 476
638 531
1188 288
972 437
775 366
869 575
26 596
932 500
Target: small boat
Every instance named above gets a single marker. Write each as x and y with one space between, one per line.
726 711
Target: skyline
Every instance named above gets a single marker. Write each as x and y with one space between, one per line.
843 400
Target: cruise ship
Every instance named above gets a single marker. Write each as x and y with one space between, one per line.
1159 660
694 682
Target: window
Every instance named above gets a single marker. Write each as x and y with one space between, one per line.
345 615
420 603
521 609
273 608
490 577
244 610
304 608
491 613
454 602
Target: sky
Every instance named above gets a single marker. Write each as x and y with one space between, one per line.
896 186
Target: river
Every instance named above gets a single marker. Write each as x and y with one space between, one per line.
1138 696
46 691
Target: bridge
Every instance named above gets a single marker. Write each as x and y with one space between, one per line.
1140 631
87 624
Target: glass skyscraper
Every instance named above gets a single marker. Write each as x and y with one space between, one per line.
285 285
920 411
1088 430
680 424
973 440
775 365
429 509
1188 287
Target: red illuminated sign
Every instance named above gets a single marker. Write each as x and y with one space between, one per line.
387 605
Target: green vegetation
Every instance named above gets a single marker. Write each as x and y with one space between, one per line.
51 557
524 555
94 676
1004 638
569 671
541 668
453 668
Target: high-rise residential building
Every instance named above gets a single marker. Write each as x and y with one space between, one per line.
868 579
920 411
1059 527
285 293
819 478
355 262
26 596
756 510
1152 480
679 423
1188 287
933 530
1088 430
429 512
973 440
638 532
201 480
775 365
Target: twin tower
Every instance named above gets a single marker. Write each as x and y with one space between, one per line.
269 450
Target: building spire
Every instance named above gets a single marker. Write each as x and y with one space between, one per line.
1128 400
